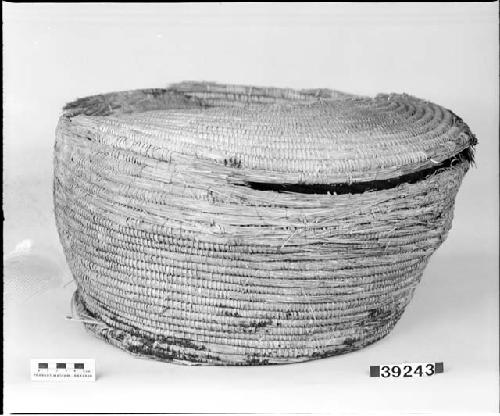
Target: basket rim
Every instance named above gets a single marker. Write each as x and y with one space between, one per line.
275 135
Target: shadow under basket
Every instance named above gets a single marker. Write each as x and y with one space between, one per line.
236 225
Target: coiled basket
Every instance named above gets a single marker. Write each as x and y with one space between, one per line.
235 225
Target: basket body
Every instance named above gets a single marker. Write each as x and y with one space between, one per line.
176 260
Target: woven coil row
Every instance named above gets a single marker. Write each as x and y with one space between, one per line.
179 256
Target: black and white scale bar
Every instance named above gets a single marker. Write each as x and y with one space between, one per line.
63 369
406 370
61 366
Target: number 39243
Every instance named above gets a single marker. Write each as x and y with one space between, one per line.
407 370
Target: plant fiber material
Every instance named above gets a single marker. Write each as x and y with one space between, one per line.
236 225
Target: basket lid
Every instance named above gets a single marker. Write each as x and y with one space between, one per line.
280 135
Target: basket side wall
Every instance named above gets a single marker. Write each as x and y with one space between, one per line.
175 263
